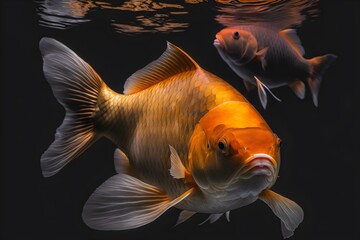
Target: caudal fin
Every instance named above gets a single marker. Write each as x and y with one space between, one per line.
319 65
76 86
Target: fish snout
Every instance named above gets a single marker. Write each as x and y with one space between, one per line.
260 164
218 42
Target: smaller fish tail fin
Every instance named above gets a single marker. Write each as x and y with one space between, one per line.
77 88
319 65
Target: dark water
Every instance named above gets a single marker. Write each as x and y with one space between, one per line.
320 154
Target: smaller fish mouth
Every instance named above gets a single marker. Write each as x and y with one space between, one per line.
217 41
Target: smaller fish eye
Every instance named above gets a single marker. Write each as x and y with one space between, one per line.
280 142
236 35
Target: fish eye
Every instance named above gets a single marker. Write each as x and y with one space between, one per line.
280 142
236 35
221 145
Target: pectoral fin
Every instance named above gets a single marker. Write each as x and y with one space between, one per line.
177 169
290 213
184 215
125 202
261 56
299 88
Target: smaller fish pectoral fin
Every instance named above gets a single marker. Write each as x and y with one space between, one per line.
184 215
125 202
289 212
212 218
261 56
177 169
262 93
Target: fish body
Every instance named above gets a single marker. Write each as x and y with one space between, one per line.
185 138
273 59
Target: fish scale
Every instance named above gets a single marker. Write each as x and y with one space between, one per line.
164 109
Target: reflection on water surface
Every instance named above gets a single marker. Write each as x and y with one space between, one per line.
142 16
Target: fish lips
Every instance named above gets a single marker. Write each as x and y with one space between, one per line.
259 164
218 42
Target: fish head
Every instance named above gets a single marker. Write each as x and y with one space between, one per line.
233 152
236 46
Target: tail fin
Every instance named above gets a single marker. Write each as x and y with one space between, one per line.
77 87
319 65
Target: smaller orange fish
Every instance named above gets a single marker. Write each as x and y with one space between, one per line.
266 58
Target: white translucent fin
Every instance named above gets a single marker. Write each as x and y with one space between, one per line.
76 86
212 218
171 62
228 216
121 161
261 56
177 169
290 213
124 202
319 65
184 215
291 36
299 88
262 93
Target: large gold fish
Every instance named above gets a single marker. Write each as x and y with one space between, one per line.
185 138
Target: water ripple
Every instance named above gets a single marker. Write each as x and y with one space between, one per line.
144 16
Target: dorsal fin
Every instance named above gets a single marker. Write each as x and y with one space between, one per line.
172 61
294 40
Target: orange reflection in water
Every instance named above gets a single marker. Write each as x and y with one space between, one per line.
141 16
275 13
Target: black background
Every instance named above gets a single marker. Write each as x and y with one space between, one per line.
320 154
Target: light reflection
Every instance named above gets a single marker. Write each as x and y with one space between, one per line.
63 14
142 16
279 14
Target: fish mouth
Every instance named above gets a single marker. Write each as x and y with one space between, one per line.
218 41
259 164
